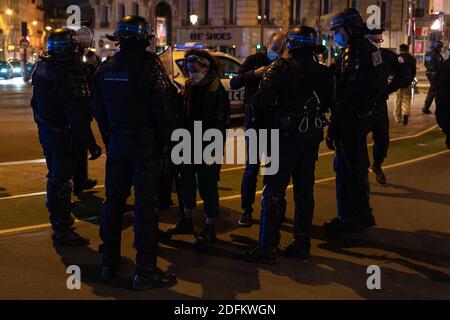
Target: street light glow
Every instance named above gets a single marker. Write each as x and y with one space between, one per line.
34 22
193 18
48 28
9 12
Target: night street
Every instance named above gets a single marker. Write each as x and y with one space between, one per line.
410 242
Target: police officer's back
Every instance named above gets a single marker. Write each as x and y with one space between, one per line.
293 98
60 105
136 118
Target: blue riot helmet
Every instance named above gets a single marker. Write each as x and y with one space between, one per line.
132 27
437 45
62 41
303 37
351 20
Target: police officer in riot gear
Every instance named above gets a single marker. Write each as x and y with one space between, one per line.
360 82
433 62
443 101
136 117
250 76
296 92
60 105
396 74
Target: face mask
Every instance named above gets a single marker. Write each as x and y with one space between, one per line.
197 76
376 44
272 55
339 39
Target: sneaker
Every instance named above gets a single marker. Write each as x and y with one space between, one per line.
379 174
259 255
426 111
246 220
183 226
151 277
68 238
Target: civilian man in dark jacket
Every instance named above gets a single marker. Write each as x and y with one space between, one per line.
404 94
250 75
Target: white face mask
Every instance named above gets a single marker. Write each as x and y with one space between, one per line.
376 44
197 76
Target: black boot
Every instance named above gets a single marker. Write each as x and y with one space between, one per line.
68 238
87 185
206 237
183 226
300 248
426 110
110 264
151 277
336 226
367 219
261 255
379 174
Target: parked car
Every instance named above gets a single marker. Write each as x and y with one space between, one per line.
17 68
6 70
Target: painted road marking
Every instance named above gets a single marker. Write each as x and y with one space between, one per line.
13 163
259 192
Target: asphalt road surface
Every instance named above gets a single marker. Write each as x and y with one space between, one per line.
410 242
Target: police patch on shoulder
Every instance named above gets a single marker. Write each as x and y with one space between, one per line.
116 76
401 59
376 58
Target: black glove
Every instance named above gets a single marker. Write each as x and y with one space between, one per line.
95 152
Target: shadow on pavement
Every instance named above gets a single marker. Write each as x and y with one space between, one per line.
415 194
3 193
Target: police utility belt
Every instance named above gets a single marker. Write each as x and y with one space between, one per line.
306 118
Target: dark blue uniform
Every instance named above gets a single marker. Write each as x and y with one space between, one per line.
433 63
136 119
293 97
61 110
360 91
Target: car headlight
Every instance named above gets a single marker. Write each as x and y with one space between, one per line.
17 70
3 70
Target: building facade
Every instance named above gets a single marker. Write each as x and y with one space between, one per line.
239 27
12 15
